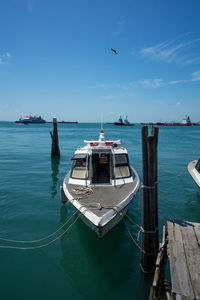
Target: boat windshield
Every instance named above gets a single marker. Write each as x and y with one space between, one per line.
79 169
122 169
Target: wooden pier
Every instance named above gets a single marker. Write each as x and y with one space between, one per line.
181 244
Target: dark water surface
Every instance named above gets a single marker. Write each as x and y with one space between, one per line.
79 265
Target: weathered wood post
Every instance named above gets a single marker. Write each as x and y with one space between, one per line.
145 195
154 132
55 151
150 241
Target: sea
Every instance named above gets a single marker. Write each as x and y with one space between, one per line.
75 263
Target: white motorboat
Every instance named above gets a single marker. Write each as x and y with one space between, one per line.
101 183
194 170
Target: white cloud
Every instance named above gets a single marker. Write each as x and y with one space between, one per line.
1 61
4 58
128 87
173 51
178 81
8 54
159 82
152 83
196 76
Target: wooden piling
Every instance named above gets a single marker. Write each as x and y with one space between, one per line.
55 151
154 132
150 241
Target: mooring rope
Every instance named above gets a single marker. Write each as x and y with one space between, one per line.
44 245
133 221
137 245
139 199
42 239
178 175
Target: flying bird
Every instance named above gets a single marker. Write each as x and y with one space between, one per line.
115 51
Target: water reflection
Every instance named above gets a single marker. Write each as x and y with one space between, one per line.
54 175
97 268
193 205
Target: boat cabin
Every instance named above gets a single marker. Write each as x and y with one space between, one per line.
101 162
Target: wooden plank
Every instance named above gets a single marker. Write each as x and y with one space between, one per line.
180 297
197 231
158 287
170 229
192 253
157 270
179 272
177 232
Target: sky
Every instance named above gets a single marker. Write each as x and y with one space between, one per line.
56 60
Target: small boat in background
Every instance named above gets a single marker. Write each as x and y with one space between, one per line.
68 122
101 183
31 120
123 123
194 170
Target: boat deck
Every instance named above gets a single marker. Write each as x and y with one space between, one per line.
102 198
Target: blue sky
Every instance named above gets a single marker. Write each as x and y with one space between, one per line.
55 59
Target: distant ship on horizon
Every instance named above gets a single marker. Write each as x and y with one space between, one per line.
123 123
31 120
185 122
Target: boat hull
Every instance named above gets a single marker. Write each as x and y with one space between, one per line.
31 122
123 124
101 231
194 173
105 206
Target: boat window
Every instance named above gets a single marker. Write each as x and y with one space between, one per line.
122 169
197 167
79 156
79 169
121 159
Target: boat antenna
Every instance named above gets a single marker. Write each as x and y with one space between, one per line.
101 122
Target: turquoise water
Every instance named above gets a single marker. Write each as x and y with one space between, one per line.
79 265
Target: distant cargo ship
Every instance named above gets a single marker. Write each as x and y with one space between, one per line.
31 120
185 122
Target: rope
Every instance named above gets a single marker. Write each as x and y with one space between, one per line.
44 238
149 231
139 200
44 245
133 221
148 187
138 246
178 175
97 206
82 191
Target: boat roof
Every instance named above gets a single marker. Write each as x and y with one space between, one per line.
101 145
